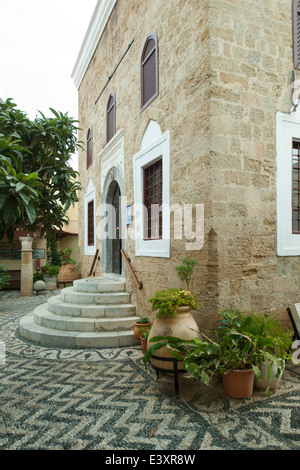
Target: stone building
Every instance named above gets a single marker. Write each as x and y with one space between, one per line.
195 97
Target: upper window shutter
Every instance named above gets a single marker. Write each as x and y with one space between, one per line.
89 148
149 71
110 117
90 227
296 33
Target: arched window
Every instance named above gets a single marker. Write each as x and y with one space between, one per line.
110 116
89 148
149 71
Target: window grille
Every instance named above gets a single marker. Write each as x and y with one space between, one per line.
296 188
153 200
90 224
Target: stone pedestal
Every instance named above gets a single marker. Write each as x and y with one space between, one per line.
26 267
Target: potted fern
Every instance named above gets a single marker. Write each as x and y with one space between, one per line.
143 322
271 367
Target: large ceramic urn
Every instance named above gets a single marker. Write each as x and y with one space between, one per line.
67 274
181 326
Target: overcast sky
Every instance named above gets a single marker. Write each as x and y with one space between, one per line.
39 44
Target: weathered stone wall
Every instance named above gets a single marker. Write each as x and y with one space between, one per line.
225 69
251 64
182 108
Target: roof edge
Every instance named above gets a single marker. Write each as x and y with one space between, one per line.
92 37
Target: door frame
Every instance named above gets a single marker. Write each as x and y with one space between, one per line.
112 179
116 241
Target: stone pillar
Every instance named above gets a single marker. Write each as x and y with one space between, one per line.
26 267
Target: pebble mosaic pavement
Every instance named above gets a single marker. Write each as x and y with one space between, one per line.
57 399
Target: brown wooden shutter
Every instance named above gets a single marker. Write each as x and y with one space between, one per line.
296 33
149 71
89 148
90 221
110 117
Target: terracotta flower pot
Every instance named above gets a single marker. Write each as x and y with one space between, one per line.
144 344
137 326
182 326
67 274
239 383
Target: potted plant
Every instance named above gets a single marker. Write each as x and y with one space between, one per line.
234 353
271 367
173 318
68 271
142 322
50 274
144 333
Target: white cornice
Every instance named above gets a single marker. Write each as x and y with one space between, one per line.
96 27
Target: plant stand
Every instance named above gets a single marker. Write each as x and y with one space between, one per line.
174 372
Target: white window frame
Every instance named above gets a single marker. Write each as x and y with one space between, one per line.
287 130
154 146
88 197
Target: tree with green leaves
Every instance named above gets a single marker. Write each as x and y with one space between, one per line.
185 270
37 184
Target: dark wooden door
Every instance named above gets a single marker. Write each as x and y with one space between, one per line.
116 242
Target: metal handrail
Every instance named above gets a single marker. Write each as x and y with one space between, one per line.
128 264
93 264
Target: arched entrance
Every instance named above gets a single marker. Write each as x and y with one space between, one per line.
116 240
112 244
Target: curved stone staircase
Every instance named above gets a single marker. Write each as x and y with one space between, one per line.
94 313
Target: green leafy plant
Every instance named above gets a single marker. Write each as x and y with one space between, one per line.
66 256
50 270
185 270
38 276
53 255
4 278
37 184
144 331
259 325
143 320
167 301
233 348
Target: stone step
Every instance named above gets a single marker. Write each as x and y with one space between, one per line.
56 305
43 317
98 285
73 339
70 295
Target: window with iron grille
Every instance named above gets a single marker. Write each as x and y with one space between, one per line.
153 200
296 188
110 117
149 71
89 148
90 223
